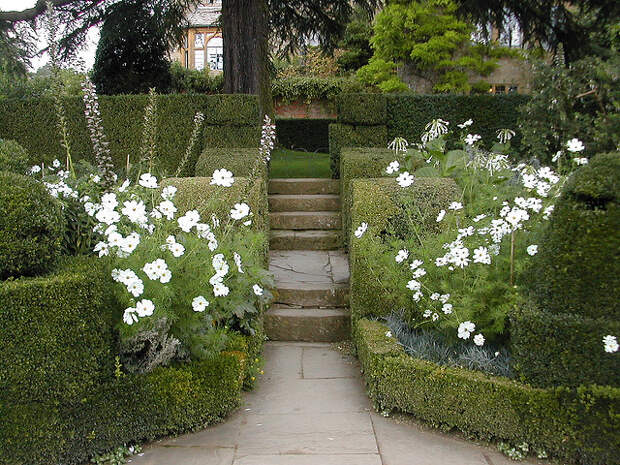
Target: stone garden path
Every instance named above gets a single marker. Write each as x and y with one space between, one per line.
310 407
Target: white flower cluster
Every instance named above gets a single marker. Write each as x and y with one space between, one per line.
222 177
610 343
434 129
267 140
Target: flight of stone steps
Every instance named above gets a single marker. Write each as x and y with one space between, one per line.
311 272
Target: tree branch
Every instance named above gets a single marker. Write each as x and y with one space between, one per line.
32 13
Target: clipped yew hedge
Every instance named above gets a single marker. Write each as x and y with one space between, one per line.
230 120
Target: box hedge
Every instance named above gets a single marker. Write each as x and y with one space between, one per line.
360 163
347 135
562 349
577 268
575 425
379 203
229 119
13 157
372 120
305 134
240 161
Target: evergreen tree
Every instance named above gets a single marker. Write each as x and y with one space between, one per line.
132 52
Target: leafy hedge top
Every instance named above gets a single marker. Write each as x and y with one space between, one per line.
13 157
32 123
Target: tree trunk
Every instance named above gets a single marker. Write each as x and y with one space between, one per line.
246 60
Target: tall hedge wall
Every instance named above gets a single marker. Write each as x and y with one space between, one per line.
372 120
578 426
377 202
229 119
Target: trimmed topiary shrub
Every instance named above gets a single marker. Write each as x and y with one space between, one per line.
13 157
577 269
31 227
366 109
563 349
240 161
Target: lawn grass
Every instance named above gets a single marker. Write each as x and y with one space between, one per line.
292 164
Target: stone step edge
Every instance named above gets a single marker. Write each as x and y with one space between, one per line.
309 186
308 325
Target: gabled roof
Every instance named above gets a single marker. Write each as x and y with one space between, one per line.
206 14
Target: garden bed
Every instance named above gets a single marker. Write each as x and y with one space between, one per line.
576 425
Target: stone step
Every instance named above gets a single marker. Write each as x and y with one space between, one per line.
305 220
308 324
311 295
288 239
306 203
304 186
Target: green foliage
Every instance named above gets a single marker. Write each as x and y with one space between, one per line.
381 73
377 287
581 101
190 81
355 44
360 163
41 84
232 120
13 157
311 135
309 88
563 349
31 227
576 426
57 342
134 408
346 135
132 51
576 270
362 109
429 36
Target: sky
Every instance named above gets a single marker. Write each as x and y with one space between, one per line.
87 53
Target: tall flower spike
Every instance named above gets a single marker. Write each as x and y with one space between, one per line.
198 120
267 140
97 136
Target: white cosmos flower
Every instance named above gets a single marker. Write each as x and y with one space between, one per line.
467 123
124 186
479 339
102 248
108 216
220 290
435 296
557 156
440 216
35 169
222 177
257 290
203 230
129 316
130 243
532 250
471 139
135 211
580 161
481 255
388 333
189 220
402 255
405 179
446 308
168 192
241 210
393 167
415 264
165 276
199 304
148 180
575 145
465 329
155 213
91 208
547 212
237 259
444 298
176 249
167 209
417 296
56 163
135 287
610 343
417 274
359 232
145 308
455 206
529 181
414 285
479 218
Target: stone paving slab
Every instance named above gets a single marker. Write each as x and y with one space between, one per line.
291 419
340 459
304 186
308 324
305 220
309 266
289 239
308 203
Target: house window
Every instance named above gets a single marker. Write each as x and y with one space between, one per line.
500 89
186 59
199 40
215 54
199 60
